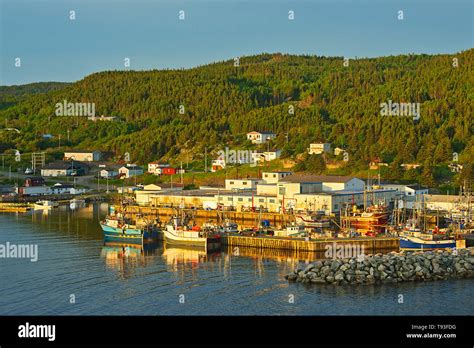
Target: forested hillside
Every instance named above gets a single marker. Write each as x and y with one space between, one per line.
332 103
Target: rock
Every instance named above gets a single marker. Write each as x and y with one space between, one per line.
339 276
291 277
309 268
325 270
330 279
318 281
335 265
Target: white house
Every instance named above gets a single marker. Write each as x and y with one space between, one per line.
217 164
319 148
142 197
84 156
260 137
329 182
109 172
265 156
274 177
406 190
338 151
130 170
156 167
241 184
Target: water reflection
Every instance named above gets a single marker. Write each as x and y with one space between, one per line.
124 258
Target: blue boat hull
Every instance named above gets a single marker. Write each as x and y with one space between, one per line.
406 243
129 235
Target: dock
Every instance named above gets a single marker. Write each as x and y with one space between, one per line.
370 244
15 207
243 219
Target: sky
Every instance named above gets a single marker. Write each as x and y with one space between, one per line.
52 47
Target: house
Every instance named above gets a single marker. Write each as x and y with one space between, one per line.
454 203
64 168
217 164
329 182
101 118
274 177
260 137
242 184
319 148
337 151
156 167
142 197
34 181
409 166
406 190
376 165
33 190
455 167
84 156
265 156
130 170
109 172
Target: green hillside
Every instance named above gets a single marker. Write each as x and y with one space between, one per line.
332 103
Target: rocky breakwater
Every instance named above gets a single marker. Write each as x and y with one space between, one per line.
389 268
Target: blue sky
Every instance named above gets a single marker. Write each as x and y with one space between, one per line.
53 48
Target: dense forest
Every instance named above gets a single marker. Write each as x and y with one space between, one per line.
173 114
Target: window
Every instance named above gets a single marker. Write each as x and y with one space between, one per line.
229 199
274 175
244 182
281 190
261 200
272 201
232 183
240 199
250 199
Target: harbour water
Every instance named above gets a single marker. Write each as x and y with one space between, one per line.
76 274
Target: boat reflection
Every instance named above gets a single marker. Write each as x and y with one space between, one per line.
178 258
125 258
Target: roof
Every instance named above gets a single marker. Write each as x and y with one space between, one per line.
34 178
308 177
81 151
132 167
261 132
65 165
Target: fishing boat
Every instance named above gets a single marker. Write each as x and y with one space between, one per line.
369 222
413 238
417 243
291 231
177 232
118 229
312 221
45 205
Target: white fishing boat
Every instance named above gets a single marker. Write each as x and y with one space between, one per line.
178 233
290 231
45 205
314 222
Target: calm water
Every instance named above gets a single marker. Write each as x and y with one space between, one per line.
72 259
